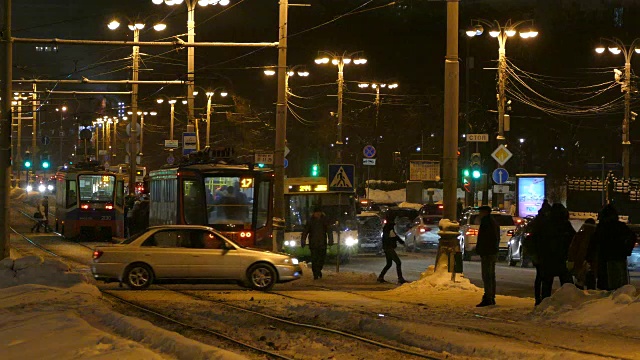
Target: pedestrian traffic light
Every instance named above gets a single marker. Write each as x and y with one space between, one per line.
27 160
315 170
476 169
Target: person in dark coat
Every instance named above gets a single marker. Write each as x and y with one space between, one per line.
487 248
539 223
612 242
553 248
390 241
577 262
318 230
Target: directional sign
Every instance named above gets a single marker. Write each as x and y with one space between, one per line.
171 144
502 155
341 177
45 140
477 137
188 142
286 163
369 151
500 176
368 161
264 158
286 151
170 159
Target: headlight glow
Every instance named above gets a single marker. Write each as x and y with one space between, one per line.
290 243
29 188
294 261
50 187
42 188
350 241
286 243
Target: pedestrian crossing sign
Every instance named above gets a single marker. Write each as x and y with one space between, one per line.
341 177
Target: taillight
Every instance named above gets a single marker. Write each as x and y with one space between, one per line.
109 207
97 254
84 206
245 234
472 232
422 230
510 233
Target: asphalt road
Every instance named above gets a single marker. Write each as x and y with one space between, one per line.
513 281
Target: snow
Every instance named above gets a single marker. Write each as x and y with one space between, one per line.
46 311
617 310
415 206
381 196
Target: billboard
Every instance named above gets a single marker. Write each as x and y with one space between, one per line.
530 192
424 170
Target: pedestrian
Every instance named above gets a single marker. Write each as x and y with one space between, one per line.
487 248
531 248
45 211
577 262
390 241
613 242
39 218
553 249
318 230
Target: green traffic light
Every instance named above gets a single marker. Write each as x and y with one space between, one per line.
315 170
476 174
261 166
27 164
465 172
45 164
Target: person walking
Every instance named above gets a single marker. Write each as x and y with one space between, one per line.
318 230
577 262
531 248
553 249
613 241
390 242
487 248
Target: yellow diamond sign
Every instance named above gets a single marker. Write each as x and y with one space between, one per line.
502 155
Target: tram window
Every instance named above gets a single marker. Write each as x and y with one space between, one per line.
263 204
229 200
96 188
193 202
72 198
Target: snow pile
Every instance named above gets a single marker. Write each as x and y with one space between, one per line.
17 193
415 206
439 281
381 196
36 270
614 310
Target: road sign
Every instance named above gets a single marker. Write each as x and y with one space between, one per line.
135 132
264 158
45 140
286 163
368 161
102 152
501 154
500 176
188 142
369 152
477 137
106 165
171 144
500 189
341 177
424 170
286 151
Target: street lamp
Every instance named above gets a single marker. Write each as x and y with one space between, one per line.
377 87
135 26
209 94
616 46
502 33
299 70
62 110
171 102
142 114
191 25
340 61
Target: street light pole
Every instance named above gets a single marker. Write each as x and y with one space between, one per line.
209 95
281 123
134 114
5 130
34 114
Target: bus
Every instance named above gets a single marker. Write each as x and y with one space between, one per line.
302 195
235 199
89 202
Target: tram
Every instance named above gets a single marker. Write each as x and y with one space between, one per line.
89 202
205 189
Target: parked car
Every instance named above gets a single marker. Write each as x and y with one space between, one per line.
369 232
469 232
432 209
186 253
515 250
633 261
423 233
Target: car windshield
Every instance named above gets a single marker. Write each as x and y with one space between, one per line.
96 188
431 220
132 238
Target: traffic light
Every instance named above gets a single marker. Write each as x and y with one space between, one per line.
27 160
476 169
315 170
261 165
465 173
45 163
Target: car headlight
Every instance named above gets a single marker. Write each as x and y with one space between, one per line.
350 241
290 243
294 261
50 187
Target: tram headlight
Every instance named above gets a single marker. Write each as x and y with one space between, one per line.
350 241
50 187
42 188
29 188
290 243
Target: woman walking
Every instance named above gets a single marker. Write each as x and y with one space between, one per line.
389 243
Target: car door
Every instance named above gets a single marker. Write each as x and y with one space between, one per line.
165 253
214 259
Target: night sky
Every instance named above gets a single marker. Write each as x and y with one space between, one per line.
403 42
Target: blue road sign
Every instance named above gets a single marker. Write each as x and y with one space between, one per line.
45 140
189 142
341 177
369 151
500 176
286 163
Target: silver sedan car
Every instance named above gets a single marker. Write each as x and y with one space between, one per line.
184 253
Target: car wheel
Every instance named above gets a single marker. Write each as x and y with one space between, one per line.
510 260
138 276
262 277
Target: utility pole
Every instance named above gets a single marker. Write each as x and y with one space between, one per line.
5 131
281 123
340 88
134 115
34 112
208 119
626 144
448 245
191 34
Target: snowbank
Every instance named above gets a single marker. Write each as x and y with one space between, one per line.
381 196
36 270
410 205
612 310
435 281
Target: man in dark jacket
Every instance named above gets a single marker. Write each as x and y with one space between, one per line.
577 262
553 249
390 241
487 248
318 230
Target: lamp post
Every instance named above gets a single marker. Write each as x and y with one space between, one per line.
299 70
191 26
172 103
142 114
617 47
502 33
61 110
210 95
135 27
377 87
340 61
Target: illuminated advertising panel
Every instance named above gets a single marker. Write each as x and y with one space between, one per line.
531 194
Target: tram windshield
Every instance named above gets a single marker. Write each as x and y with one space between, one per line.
230 201
96 188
